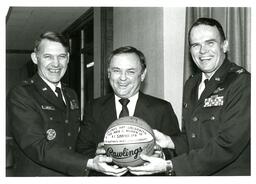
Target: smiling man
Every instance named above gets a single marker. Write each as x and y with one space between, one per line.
216 113
126 71
45 116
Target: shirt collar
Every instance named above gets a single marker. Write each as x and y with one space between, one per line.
51 85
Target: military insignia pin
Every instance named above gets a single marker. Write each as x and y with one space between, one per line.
48 107
73 105
240 71
219 89
51 134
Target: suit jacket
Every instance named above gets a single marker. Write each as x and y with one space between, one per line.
45 131
101 113
217 126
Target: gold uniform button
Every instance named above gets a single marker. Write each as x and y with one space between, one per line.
66 121
69 134
51 118
193 135
70 147
195 119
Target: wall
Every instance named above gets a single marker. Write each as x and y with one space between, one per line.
159 34
143 29
174 40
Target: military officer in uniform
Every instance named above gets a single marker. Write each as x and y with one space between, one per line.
216 113
45 117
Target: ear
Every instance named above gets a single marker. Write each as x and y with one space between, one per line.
225 46
34 58
68 57
109 73
143 75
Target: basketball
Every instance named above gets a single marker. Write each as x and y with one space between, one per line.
126 138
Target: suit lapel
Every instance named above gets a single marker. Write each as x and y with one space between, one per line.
46 92
109 110
141 106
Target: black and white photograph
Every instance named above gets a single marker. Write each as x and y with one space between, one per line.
126 92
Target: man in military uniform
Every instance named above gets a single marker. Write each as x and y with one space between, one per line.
216 113
45 116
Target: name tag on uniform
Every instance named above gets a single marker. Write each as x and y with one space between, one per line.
73 105
48 107
213 101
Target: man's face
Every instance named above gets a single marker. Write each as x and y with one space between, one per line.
125 74
207 49
52 60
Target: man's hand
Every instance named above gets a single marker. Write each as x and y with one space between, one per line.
163 140
158 152
100 164
152 166
100 149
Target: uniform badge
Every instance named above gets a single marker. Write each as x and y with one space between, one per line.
219 89
214 100
44 89
73 105
51 134
48 107
217 78
240 71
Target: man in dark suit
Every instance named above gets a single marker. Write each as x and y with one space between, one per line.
45 116
216 113
126 72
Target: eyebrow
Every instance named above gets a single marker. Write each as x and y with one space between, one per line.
210 40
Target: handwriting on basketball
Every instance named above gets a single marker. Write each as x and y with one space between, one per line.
125 153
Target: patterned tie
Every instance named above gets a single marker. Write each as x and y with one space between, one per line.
60 98
125 111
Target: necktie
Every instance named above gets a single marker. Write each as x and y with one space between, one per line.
200 91
206 82
60 98
125 111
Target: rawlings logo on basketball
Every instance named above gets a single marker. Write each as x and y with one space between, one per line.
126 138
126 153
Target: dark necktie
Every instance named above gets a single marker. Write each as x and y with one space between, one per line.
60 98
125 111
206 82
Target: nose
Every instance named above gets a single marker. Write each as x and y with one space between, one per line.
123 76
55 61
203 49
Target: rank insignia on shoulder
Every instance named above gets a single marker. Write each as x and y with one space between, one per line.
219 89
48 107
240 71
214 101
73 105
51 134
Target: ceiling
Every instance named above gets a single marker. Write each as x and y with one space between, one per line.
25 24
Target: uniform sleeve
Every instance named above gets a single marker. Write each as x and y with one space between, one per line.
28 131
170 127
232 137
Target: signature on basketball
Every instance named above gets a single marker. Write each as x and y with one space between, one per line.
126 153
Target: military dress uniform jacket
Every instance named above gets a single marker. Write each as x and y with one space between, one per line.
217 126
45 131
101 113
